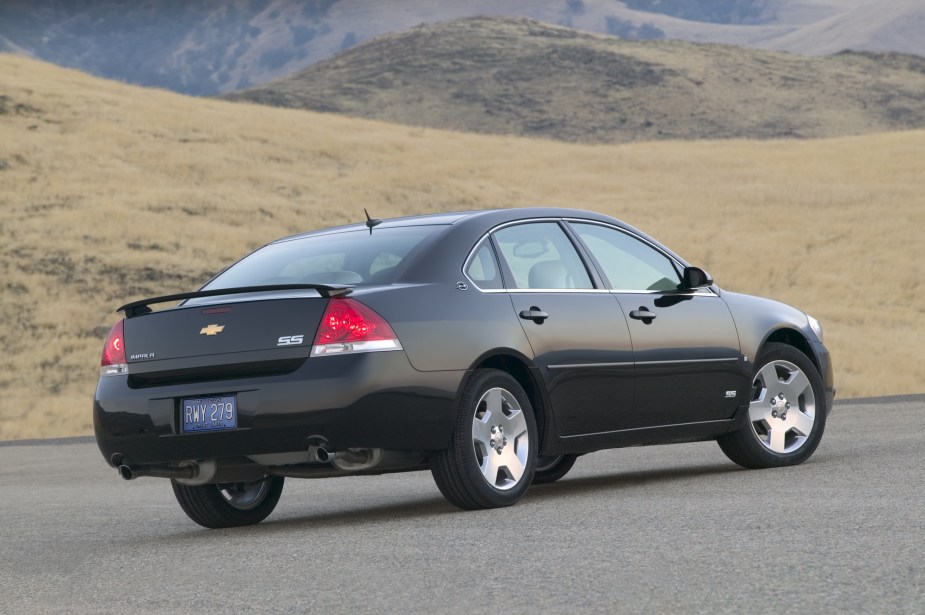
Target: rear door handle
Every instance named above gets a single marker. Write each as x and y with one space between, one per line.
643 314
535 314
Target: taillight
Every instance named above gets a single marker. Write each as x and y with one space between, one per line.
350 326
113 361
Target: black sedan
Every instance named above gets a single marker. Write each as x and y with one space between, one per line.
490 347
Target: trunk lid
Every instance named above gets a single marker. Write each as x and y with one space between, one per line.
218 340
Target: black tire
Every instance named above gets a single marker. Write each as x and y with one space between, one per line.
771 435
552 468
229 504
469 473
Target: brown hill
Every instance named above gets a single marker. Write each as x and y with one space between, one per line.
523 77
213 47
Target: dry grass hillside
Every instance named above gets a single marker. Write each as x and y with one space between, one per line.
110 192
520 76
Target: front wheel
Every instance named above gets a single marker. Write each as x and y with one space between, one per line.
229 504
786 415
491 458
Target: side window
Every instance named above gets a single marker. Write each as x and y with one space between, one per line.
482 268
628 263
541 256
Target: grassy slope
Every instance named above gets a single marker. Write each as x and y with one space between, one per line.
113 192
520 76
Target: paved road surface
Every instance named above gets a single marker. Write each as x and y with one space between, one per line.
657 529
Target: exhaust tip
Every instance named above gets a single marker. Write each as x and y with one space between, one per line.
126 472
322 455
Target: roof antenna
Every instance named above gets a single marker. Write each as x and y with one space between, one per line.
371 222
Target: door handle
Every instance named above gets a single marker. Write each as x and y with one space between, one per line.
643 314
535 314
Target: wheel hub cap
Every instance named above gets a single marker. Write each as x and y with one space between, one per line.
500 440
779 407
783 407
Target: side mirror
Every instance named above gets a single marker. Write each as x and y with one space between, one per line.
695 277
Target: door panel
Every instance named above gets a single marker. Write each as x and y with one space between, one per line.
688 362
578 333
686 347
585 356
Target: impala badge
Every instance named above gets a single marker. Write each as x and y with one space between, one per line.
212 330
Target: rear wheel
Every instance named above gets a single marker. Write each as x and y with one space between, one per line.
229 504
490 461
786 416
552 468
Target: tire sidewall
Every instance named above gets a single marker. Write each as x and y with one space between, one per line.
206 505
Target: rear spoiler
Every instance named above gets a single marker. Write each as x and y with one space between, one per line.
137 308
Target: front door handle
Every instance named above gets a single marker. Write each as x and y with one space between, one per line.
535 314
643 314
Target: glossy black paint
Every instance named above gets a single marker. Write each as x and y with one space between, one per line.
358 400
600 373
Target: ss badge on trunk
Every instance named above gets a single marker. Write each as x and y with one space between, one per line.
289 340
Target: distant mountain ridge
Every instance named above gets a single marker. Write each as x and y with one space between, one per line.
520 76
217 46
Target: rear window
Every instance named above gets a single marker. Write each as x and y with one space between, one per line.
352 257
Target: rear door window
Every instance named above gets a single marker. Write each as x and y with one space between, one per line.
540 256
482 268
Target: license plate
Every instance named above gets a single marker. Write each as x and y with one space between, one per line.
209 413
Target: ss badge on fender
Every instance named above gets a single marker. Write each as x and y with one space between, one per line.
289 340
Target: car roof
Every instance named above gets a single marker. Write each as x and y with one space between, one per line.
491 216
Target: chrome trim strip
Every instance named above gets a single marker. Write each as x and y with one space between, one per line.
582 365
698 292
603 433
682 361
594 291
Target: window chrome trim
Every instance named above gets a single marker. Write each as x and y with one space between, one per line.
703 292
694 292
584 291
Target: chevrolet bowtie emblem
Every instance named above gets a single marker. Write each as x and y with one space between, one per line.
212 330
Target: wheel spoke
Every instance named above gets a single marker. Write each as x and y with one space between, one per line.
494 403
771 380
481 431
510 460
515 424
759 411
796 385
802 423
778 441
490 466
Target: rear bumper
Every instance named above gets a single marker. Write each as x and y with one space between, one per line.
368 400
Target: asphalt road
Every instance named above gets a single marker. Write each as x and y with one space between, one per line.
657 529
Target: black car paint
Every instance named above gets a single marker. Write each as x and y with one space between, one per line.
406 400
